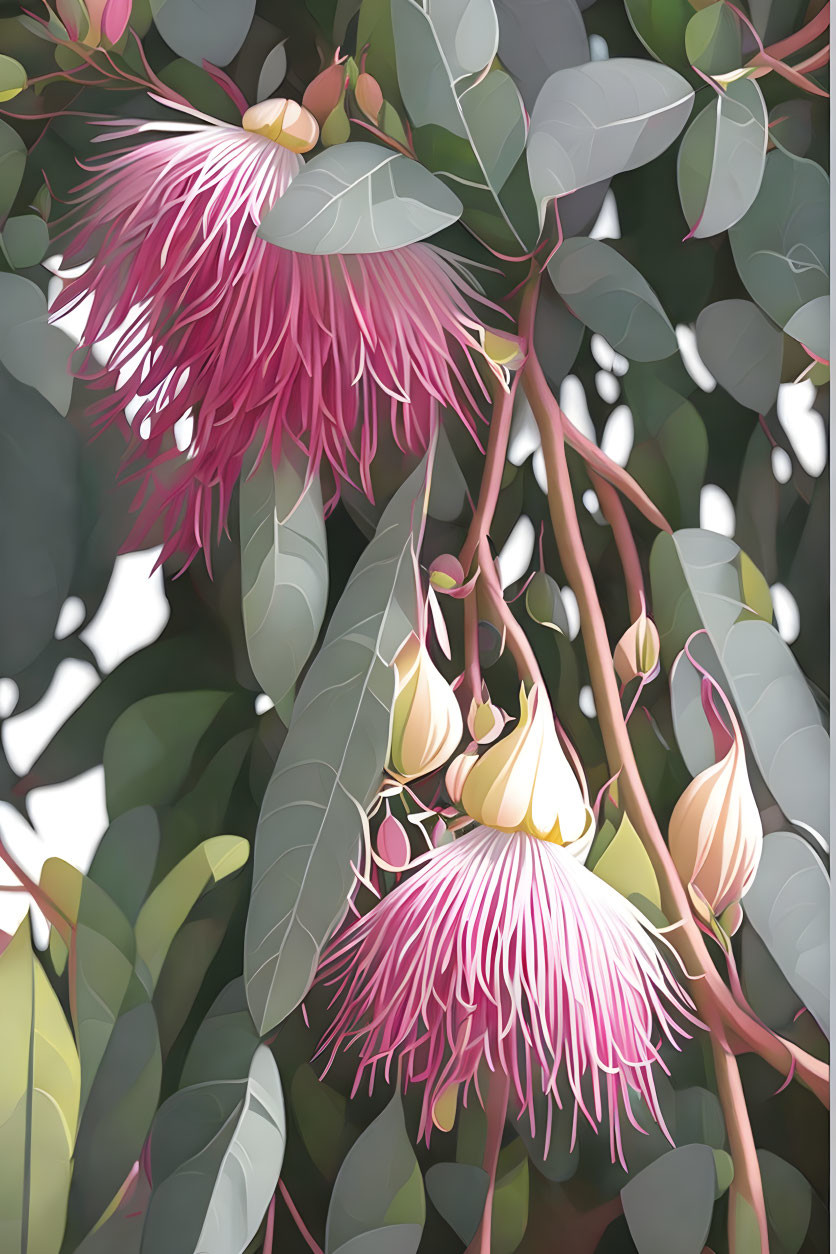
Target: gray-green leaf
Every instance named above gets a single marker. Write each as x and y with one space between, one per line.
743 350
721 159
789 907
203 30
607 293
593 121
668 1206
330 767
359 198
284 569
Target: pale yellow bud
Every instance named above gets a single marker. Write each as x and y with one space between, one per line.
426 720
637 652
524 782
457 773
716 837
284 121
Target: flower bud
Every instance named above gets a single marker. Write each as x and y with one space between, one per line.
446 572
524 782
458 771
368 95
637 652
87 23
426 720
325 92
392 843
485 720
715 836
285 122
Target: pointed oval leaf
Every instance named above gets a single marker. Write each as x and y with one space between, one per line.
721 159
810 325
12 165
440 45
359 198
458 1192
378 1185
39 1099
661 28
743 350
668 1206
203 30
284 569
593 121
273 71
712 39
607 293
781 246
537 38
330 766
789 907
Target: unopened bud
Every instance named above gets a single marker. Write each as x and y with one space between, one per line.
392 843
285 122
637 652
485 720
457 773
426 720
325 92
368 95
446 572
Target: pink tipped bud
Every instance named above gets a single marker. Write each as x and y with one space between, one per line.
368 95
485 720
285 122
458 771
89 22
325 92
716 836
426 719
446 572
524 782
637 652
393 848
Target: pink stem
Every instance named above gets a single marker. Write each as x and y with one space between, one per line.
299 1221
496 1108
616 516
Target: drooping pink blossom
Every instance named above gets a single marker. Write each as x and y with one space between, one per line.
505 948
206 322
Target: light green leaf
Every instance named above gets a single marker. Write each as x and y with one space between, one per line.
544 603
330 767
782 246
379 1185
217 1144
607 293
359 198
593 121
509 1213
712 39
284 569
661 25
39 1096
721 158
789 1202
697 582
743 350
625 865
12 78
166 910
150 748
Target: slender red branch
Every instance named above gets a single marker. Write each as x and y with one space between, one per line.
801 38
496 1108
746 1186
611 471
304 1232
616 516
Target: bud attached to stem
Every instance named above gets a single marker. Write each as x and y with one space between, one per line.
426 721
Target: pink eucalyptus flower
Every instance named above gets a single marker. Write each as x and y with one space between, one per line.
207 323
504 948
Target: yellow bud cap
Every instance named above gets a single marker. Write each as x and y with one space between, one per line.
285 122
426 720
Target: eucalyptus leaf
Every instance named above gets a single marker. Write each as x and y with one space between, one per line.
39 1099
789 907
593 121
272 73
538 37
661 25
379 1184
217 1144
12 165
443 49
698 580
166 910
458 1192
39 514
743 350
12 78
712 39
203 30
359 198
25 240
669 1204
781 246
810 325
789 1203
330 767
284 569
721 158
608 294
123 864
